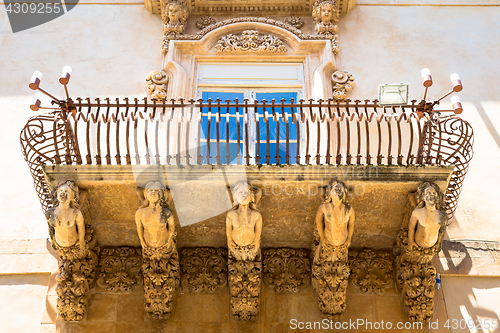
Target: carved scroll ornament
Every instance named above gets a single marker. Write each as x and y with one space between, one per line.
332 237
204 269
286 269
250 41
342 83
156 84
120 269
418 241
371 271
243 230
73 238
160 261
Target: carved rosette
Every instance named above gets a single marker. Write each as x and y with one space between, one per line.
204 22
295 21
160 267
204 269
415 275
120 269
371 271
156 84
342 83
77 272
330 274
286 269
244 285
250 41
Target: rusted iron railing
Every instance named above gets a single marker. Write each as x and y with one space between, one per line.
144 132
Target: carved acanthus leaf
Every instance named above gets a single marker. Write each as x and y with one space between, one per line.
250 41
120 269
286 269
156 84
204 269
244 285
342 82
371 271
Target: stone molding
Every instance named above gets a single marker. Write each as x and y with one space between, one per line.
120 269
203 269
250 41
371 271
286 269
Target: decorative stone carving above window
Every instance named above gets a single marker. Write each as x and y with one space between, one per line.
294 21
325 16
156 84
250 41
342 83
203 269
371 271
286 269
120 269
204 22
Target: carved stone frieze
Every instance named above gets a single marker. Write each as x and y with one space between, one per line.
332 237
204 269
418 241
204 22
281 24
156 84
120 269
342 83
371 271
250 41
73 238
295 21
174 16
160 261
243 231
286 269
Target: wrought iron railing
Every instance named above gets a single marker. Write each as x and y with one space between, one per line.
144 132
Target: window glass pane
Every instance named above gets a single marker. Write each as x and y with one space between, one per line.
272 128
220 133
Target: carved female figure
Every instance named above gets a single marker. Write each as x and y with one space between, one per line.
244 224
155 221
427 218
66 225
334 221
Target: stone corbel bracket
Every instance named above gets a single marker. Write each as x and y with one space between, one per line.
342 83
156 84
120 269
77 269
415 274
371 271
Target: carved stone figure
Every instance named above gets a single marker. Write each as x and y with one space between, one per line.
333 233
156 84
76 244
160 261
174 17
342 83
419 240
325 16
243 229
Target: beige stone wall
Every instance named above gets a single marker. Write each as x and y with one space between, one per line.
112 47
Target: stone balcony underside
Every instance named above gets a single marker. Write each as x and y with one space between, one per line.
291 197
